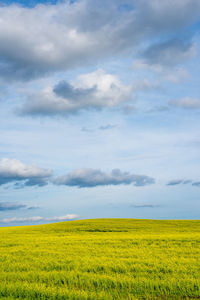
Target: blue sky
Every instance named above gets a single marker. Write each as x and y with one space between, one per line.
99 110
29 3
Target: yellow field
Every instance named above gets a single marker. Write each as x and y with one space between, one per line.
101 259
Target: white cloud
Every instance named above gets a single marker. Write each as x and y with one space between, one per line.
28 219
63 218
14 170
37 219
95 90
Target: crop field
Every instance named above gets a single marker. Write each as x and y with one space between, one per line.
101 259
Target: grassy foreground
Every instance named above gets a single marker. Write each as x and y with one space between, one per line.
101 259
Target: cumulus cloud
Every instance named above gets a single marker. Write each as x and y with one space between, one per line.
11 206
186 103
13 170
37 219
50 38
95 90
91 178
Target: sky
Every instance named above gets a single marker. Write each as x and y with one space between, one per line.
99 110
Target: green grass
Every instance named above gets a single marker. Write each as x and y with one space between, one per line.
101 259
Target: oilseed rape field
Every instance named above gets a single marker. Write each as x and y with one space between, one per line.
101 259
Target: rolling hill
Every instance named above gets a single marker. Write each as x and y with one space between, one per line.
101 259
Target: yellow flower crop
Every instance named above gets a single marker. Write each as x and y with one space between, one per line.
101 259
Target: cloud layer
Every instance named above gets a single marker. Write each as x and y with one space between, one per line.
14 171
47 38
